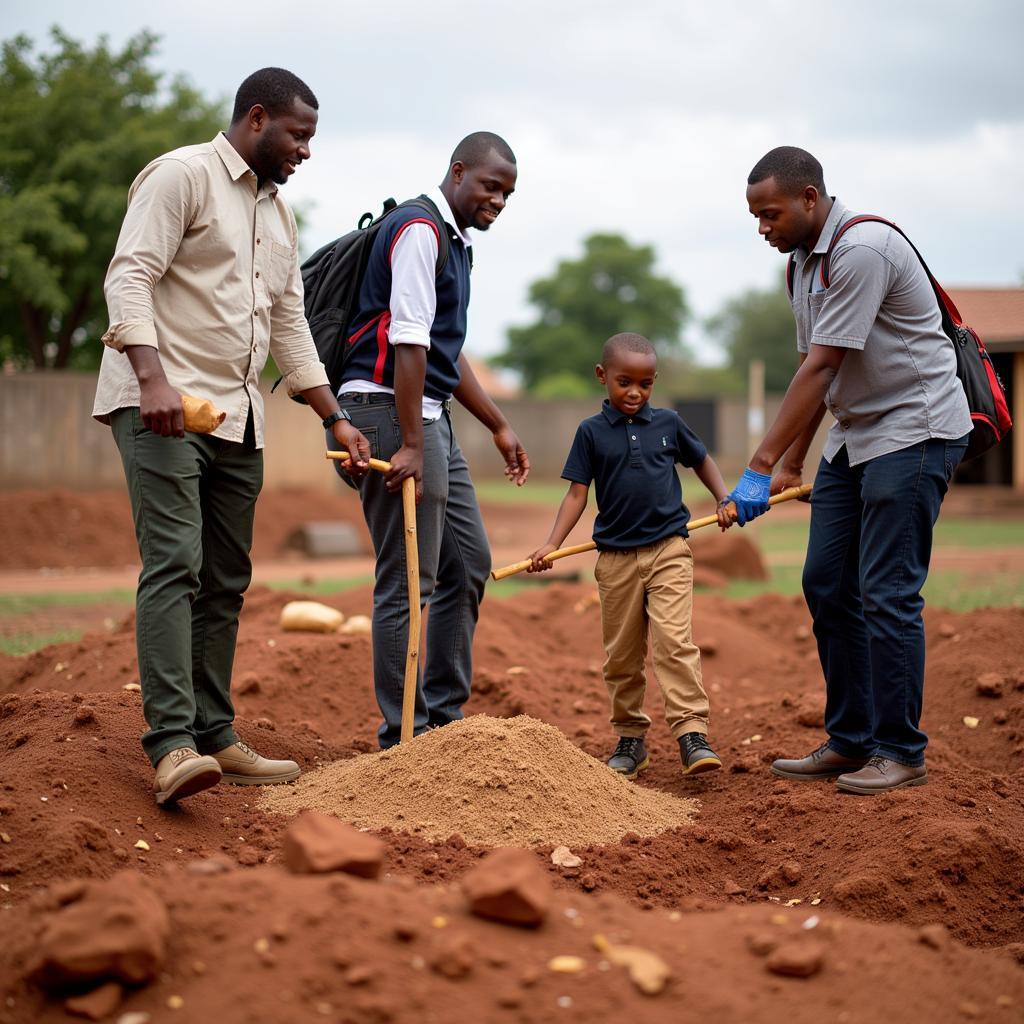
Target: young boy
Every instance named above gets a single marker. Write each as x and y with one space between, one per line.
645 569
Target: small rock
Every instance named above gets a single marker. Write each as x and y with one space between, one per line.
317 843
934 936
117 930
84 715
646 969
134 1017
508 885
567 964
947 629
563 857
708 647
971 722
357 625
249 684
97 1004
731 888
208 866
132 688
453 956
761 943
989 684
802 633
796 959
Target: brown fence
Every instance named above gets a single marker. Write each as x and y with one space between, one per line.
48 437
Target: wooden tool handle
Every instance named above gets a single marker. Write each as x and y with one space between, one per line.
694 524
379 464
412 569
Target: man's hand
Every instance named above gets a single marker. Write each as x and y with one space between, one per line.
353 442
405 462
160 408
750 495
785 478
517 462
538 559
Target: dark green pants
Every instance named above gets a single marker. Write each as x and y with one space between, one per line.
193 500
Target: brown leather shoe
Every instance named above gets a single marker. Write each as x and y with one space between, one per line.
244 767
181 773
880 775
823 763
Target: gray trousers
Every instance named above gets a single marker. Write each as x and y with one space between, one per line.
455 560
193 500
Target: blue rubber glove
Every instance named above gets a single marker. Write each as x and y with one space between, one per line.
751 496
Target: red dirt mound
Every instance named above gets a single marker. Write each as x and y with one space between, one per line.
364 952
952 851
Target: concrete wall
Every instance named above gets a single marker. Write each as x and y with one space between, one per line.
49 439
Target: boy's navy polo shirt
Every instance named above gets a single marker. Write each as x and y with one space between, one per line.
632 461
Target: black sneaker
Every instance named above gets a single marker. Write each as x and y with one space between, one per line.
697 755
630 757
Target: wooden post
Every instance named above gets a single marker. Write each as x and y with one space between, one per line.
755 405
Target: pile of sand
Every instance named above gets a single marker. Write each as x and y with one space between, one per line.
495 782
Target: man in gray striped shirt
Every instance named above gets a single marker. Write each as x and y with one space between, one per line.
873 354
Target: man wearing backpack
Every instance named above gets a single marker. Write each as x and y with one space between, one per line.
403 366
203 285
873 353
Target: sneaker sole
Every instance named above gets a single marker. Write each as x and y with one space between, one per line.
636 771
201 778
847 788
705 764
260 780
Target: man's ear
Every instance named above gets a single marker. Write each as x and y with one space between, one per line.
457 171
258 117
810 197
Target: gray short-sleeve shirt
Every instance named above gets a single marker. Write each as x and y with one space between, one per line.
897 385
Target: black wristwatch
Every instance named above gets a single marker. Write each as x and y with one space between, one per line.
329 421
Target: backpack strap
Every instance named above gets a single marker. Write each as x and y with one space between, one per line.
946 305
426 204
790 273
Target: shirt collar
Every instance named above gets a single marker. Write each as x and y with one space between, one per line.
616 416
835 217
436 196
237 168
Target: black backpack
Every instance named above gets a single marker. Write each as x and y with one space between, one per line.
332 276
986 398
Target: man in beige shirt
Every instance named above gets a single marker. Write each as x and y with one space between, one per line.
203 286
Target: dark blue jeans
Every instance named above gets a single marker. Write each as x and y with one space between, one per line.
867 560
455 560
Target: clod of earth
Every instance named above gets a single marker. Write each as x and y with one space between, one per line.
508 885
317 843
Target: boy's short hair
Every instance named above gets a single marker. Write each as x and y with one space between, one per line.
626 343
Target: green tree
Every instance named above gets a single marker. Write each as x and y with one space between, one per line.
76 127
612 288
759 325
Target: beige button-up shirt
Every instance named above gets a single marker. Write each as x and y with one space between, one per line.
206 271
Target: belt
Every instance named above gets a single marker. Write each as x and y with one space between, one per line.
379 398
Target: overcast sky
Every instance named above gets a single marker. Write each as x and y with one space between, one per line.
641 117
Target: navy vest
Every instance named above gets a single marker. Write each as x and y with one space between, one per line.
372 357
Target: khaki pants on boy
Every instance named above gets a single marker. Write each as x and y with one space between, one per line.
651 588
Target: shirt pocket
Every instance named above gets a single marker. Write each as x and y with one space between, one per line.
282 259
814 303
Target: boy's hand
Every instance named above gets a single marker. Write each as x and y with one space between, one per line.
751 495
726 514
538 559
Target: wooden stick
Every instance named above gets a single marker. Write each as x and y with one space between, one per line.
412 579
694 524
412 569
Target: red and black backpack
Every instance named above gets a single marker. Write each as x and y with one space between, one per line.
986 398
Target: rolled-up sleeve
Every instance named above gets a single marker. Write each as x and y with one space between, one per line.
860 277
160 207
291 343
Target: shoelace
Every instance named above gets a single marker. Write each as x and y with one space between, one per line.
821 750
877 762
694 741
245 748
628 746
182 754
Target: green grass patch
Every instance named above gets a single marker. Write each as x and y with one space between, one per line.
325 586
29 643
25 604
534 492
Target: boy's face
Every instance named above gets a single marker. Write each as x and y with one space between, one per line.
629 378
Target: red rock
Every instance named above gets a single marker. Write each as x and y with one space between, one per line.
796 959
508 885
453 956
989 684
317 843
118 930
95 1005
934 936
